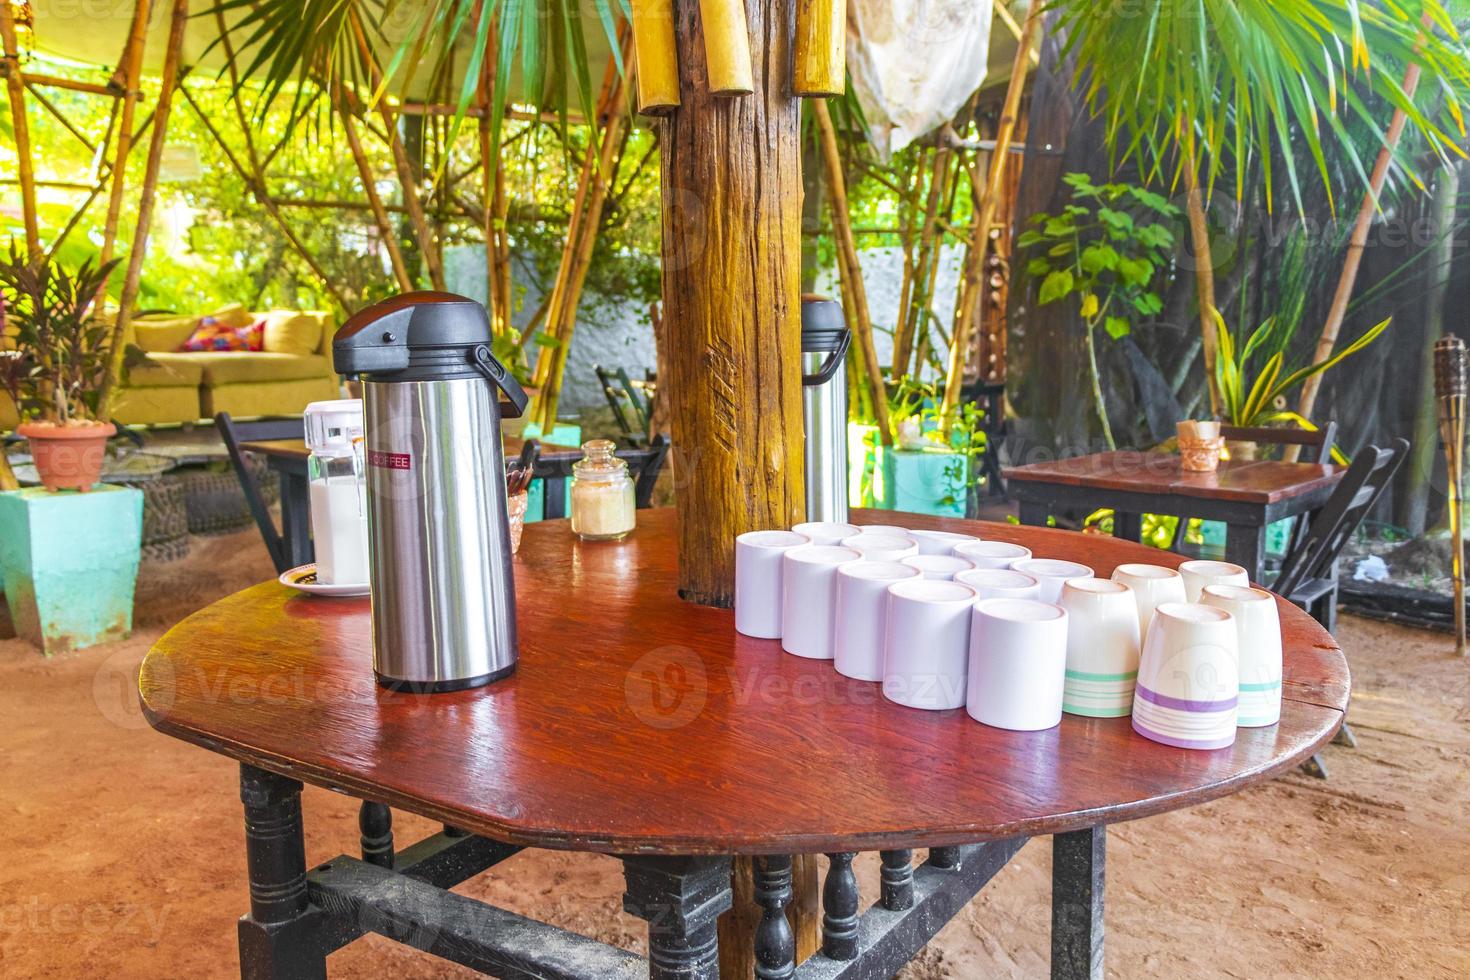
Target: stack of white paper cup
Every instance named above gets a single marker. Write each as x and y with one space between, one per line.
881 547
827 532
1152 586
809 600
1198 574
1052 573
1258 630
927 644
1018 661
861 621
939 542
1000 583
1188 678
991 554
758 579
941 568
1102 648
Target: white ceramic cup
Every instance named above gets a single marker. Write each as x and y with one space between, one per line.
758 557
809 599
1018 662
893 529
939 542
927 644
827 532
861 619
1198 574
1188 678
1258 630
1052 573
991 554
881 547
1102 648
940 567
1000 583
1152 586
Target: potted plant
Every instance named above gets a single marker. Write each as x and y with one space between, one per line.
63 356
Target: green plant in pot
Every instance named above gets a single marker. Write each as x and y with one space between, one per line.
62 357
1259 399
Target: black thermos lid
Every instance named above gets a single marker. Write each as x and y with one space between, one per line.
823 325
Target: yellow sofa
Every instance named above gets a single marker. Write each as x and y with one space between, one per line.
172 386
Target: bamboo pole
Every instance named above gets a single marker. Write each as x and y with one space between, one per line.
577 257
858 318
1204 271
168 82
656 56
427 243
53 81
15 89
492 180
60 117
1450 385
1307 400
980 233
912 313
129 77
375 202
262 195
820 66
726 47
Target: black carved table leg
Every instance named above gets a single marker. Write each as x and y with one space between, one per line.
681 899
897 880
1077 876
375 823
775 943
840 908
279 938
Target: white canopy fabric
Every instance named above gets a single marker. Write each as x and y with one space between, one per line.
913 63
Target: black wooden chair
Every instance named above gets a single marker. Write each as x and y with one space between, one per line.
631 401
991 396
1316 448
1308 575
234 433
554 469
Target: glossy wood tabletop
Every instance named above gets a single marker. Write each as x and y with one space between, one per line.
638 723
295 449
1264 481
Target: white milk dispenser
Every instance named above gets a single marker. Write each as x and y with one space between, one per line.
339 524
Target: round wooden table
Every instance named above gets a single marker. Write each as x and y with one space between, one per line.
642 726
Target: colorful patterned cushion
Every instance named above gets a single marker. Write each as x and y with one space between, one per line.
211 334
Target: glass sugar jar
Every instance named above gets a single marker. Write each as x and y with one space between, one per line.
603 504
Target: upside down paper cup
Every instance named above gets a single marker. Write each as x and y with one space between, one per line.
926 649
1052 574
1152 586
861 618
1188 678
1258 630
1102 648
809 599
1198 574
1018 660
758 557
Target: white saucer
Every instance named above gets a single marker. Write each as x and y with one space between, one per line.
304 579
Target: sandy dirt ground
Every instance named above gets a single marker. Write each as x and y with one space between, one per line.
123 849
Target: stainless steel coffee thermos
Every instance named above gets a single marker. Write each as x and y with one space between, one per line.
443 596
824 343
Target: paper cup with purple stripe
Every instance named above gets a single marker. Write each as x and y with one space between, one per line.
1188 689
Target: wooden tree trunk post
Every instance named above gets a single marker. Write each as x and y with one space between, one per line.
129 77
731 174
15 87
147 193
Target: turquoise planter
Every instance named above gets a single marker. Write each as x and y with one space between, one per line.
70 562
930 481
536 500
563 434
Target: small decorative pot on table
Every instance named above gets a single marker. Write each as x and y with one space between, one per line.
70 563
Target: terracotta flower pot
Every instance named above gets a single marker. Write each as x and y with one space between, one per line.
68 457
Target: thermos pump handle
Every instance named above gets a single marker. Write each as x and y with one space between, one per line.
830 365
496 374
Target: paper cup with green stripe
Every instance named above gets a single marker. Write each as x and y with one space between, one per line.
1102 648
1258 628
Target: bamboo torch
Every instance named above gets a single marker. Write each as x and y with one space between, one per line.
727 46
1449 386
656 56
821 48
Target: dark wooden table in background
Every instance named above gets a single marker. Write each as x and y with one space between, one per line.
287 457
1245 495
645 727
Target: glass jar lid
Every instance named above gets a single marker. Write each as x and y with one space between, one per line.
598 463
